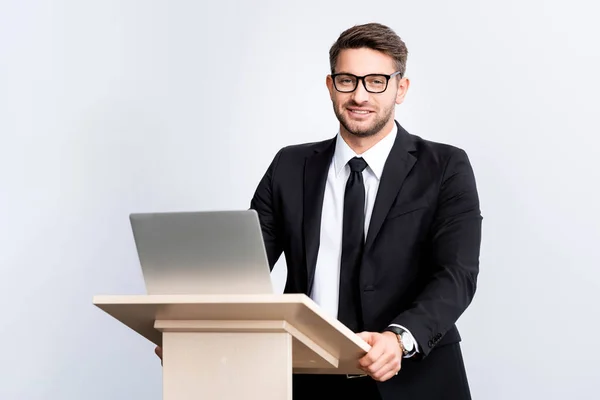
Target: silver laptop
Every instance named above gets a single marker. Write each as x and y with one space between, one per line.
211 252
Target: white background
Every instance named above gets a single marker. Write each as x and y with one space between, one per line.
111 107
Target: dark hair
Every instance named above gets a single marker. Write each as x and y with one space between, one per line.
373 36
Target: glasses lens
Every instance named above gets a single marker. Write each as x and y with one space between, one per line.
345 83
376 83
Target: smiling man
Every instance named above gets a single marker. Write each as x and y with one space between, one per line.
381 228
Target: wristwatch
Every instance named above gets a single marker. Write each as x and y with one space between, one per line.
405 340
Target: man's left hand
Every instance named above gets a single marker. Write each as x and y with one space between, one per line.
384 360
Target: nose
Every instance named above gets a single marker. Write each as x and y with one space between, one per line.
360 95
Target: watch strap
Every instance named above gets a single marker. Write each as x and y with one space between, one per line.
399 335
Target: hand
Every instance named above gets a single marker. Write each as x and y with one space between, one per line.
158 351
384 360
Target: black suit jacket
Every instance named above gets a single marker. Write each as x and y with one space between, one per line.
421 257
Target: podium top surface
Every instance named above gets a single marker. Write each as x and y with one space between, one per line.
139 312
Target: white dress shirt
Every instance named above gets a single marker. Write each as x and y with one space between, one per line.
325 290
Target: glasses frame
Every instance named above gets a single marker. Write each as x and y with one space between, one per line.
362 78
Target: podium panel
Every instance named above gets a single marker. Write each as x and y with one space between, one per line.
238 346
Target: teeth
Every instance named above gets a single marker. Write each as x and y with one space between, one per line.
360 112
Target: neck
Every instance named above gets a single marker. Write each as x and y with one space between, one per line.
361 144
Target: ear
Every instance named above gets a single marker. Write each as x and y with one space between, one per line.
403 85
329 83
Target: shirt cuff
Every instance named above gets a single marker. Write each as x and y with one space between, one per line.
411 337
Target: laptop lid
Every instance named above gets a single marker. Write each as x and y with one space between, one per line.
210 252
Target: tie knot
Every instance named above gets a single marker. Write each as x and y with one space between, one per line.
357 164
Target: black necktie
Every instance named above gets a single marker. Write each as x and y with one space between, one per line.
349 308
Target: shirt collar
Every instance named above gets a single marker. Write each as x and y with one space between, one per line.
375 157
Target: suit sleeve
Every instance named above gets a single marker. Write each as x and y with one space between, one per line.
263 203
455 247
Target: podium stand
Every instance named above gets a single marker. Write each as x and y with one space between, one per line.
238 346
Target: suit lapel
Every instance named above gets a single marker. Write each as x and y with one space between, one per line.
315 178
399 163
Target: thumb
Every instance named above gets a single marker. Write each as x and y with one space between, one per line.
367 337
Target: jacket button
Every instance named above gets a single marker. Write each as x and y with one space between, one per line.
431 343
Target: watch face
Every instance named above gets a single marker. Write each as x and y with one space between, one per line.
407 343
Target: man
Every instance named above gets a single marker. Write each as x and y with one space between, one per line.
379 227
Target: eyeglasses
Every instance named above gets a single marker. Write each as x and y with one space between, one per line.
373 83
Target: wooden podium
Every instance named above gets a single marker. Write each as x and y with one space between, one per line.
229 347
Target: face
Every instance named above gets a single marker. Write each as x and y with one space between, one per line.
360 112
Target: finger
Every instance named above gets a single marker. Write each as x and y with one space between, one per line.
367 337
387 361
373 355
393 366
387 371
388 375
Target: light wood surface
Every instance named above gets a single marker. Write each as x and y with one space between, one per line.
320 344
227 366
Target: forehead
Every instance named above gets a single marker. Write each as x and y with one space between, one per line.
364 61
